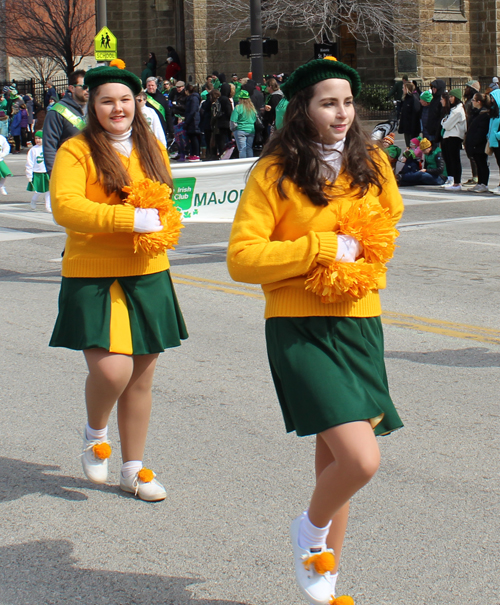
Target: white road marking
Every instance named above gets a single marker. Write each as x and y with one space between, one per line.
9 235
464 241
440 222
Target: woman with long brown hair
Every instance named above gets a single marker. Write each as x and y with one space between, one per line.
292 234
116 305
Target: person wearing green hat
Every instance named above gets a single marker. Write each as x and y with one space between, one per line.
116 304
324 342
454 127
242 124
36 173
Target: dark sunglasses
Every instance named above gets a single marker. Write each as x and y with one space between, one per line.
82 86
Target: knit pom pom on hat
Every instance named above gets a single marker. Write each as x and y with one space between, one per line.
318 70
110 74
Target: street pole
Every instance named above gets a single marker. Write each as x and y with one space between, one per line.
256 41
101 15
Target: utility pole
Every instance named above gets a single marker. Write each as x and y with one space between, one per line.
256 53
101 15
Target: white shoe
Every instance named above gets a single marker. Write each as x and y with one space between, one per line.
48 208
95 459
316 587
143 485
33 204
449 181
496 191
479 188
3 191
453 187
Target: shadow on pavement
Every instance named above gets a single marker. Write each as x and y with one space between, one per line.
19 478
36 573
472 357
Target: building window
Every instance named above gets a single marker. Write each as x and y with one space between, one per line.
449 10
448 5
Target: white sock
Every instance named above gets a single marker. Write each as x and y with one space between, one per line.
2 181
131 468
333 581
96 434
47 201
35 197
310 536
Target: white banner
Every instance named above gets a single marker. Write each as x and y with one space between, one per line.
209 192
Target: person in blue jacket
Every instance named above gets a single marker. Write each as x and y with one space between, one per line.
493 131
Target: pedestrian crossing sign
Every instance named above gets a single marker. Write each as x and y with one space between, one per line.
105 45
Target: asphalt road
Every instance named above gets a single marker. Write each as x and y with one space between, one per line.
424 531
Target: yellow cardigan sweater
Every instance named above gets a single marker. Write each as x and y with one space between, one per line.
276 242
99 226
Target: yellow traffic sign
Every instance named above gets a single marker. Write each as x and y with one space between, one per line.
105 45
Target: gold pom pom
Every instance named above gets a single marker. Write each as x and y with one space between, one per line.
117 63
322 562
344 281
343 600
102 450
372 226
145 475
151 194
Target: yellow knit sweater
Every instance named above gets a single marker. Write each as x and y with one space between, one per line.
276 242
99 226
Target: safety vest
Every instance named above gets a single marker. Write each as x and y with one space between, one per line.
73 119
158 106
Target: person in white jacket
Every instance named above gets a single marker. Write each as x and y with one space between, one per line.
454 127
36 173
4 169
151 118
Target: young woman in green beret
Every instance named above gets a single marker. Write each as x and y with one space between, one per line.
116 305
326 358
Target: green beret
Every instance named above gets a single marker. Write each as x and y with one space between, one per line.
39 134
318 70
106 75
426 96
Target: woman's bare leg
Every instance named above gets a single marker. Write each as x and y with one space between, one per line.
356 458
336 535
109 375
134 408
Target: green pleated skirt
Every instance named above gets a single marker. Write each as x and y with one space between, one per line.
4 170
40 183
136 315
329 371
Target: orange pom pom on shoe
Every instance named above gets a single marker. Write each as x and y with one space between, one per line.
102 450
322 562
150 194
145 475
343 600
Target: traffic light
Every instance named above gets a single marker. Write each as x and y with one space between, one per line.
270 47
245 48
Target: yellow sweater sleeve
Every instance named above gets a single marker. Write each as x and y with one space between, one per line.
70 205
252 255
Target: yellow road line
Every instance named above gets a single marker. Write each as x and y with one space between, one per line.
400 320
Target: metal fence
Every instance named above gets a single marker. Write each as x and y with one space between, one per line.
36 88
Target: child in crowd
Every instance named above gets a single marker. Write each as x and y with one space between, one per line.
36 173
326 357
4 169
393 151
434 170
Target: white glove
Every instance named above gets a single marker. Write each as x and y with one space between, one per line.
147 220
348 249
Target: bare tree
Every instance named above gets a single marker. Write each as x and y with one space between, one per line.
61 30
41 68
389 20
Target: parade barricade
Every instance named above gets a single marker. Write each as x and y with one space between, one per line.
209 192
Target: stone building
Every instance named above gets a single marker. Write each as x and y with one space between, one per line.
456 39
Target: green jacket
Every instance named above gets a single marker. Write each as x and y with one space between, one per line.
434 163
